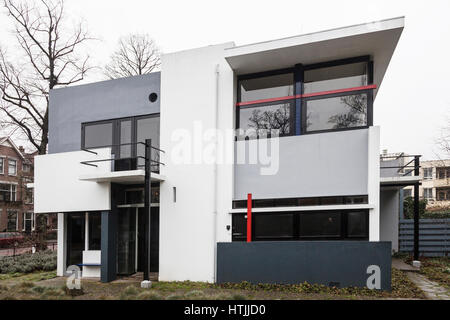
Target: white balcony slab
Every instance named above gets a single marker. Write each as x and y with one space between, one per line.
395 181
126 177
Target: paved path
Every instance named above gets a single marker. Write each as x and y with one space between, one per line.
431 289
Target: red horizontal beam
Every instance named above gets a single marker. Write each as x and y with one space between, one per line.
307 95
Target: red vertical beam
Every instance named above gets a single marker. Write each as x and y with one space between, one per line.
249 217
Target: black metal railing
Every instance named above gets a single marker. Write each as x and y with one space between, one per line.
399 165
128 163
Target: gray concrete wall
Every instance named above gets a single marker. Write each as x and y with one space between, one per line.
389 216
338 263
327 164
69 107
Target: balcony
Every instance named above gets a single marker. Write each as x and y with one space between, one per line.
129 170
399 170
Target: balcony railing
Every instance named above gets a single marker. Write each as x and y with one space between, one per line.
130 163
400 165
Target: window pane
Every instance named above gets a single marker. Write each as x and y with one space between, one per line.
357 225
336 113
125 137
12 167
239 229
147 128
98 135
337 77
320 224
267 87
274 226
1 165
95 231
270 117
12 221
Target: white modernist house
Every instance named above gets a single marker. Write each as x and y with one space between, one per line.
147 173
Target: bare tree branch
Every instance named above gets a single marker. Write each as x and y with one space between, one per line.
47 58
136 55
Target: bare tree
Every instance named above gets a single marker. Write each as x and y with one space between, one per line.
276 119
443 141
137 54
47 57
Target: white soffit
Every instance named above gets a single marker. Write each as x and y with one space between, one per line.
376 39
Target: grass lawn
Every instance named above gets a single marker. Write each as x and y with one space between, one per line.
45 285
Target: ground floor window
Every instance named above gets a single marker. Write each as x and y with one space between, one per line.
95 230
12 221
307 225
28 221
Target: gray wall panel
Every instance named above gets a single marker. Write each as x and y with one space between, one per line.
341 263
69 107
326 164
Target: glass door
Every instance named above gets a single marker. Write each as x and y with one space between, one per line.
126 241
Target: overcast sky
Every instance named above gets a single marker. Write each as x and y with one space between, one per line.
413 102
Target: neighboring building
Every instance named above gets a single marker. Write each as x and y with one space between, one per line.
322 184
16 198
435 186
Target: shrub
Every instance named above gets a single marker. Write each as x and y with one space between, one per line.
26 263
148 295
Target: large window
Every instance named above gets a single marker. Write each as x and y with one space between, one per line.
122 135
264 119
274 226
335 95
311 225
336 77
98 135
428 173
266 87
320 225
8 192
337 112
2 165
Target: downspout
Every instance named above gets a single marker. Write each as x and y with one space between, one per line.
216 116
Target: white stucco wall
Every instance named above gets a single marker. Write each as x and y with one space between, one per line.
57 187
389 216
373 185
188 226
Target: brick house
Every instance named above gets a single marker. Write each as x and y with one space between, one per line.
16 192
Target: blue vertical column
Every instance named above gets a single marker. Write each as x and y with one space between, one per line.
109 246
298 90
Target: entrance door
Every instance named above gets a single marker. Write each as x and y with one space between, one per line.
126 241
154 242
75 238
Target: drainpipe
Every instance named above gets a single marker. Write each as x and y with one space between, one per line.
216 116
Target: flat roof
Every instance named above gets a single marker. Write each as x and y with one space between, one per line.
376 39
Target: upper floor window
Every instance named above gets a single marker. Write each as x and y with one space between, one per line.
124 136
28 221
443 172
266 87
8 192
2 165
428 173
26 167
336 77
12 167
334 95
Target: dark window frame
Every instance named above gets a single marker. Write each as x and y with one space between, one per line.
298 116
296 226
116 131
